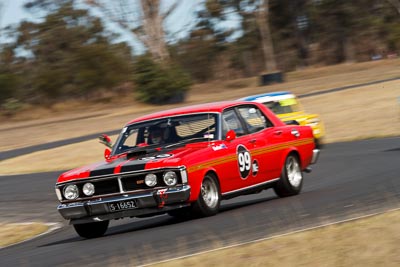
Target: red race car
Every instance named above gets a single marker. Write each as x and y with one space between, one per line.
184 162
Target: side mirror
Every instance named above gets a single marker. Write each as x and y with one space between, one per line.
107 154
230 135
105 140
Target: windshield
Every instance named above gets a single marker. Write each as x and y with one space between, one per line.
165 132
283 106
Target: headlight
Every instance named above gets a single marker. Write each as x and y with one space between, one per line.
170 178
71 192
88 189
150 179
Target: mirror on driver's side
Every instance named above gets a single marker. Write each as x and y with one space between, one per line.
105 140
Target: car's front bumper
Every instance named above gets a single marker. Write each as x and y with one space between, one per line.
154 202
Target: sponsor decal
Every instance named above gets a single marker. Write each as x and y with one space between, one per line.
219 147
244 161
209 135
255 167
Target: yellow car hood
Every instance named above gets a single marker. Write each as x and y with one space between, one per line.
301 117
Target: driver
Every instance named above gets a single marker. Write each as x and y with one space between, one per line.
155 135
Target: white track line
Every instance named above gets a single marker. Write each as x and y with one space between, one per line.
52 227
272 237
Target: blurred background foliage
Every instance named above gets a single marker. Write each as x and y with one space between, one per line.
69 54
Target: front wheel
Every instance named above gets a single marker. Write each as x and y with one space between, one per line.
209 199
91 230
291 180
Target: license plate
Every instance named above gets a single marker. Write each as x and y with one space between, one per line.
122 205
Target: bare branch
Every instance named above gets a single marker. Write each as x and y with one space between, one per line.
142 18
396 4
170 10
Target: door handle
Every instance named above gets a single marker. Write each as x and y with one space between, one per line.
279 132
295 133
253 141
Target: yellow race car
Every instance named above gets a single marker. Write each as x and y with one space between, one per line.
287 107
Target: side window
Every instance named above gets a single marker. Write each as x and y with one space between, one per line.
230 121
255 120
131 138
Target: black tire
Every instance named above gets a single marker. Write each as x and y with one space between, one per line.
291 180
209 199
91 230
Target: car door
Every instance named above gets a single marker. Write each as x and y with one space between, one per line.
265 143
237 169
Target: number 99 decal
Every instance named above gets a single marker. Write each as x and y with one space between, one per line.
244 161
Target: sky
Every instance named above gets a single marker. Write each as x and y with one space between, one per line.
12 12
177 25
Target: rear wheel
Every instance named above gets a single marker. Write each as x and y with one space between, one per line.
91 230
209 199
291 180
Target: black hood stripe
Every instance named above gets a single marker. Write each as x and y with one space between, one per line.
122 165
106 168
136 165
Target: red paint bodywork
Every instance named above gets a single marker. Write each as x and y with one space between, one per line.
268 147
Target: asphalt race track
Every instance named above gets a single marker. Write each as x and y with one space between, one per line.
350 179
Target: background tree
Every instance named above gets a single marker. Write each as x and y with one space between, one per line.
155 82
205 44
71 53
266 36
396 4
144 19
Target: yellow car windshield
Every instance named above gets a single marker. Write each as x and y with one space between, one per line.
283 106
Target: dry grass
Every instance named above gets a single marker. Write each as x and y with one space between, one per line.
17 232
40 125
366 242
365 112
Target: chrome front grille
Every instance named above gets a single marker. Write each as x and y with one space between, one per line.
124 183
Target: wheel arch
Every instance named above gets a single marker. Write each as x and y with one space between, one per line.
295 152
198 180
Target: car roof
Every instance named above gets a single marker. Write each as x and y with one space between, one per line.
215 107
272 96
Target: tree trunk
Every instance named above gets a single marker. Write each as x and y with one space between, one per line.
146 23
154 38
266 38
396 4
